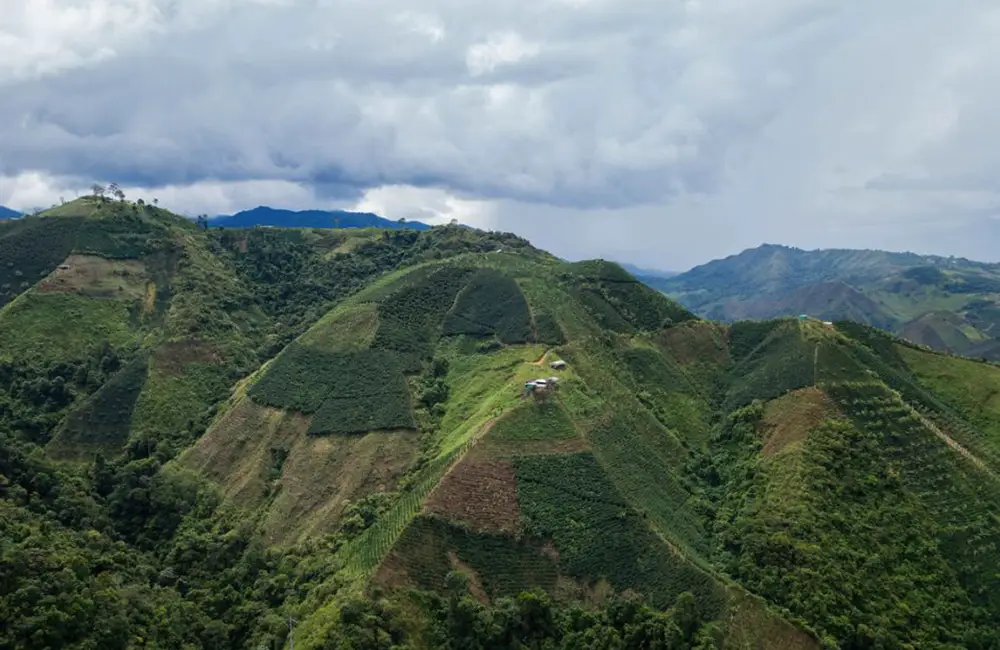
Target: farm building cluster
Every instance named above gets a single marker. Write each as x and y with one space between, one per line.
545 383
812 318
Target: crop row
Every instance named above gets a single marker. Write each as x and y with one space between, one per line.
503 565
350 392
963 503
104 420
782 363
535 421
547 329
642 457
364 554
410 317
568 499
30 249
117 237
491 304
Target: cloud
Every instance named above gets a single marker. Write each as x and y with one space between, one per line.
669 132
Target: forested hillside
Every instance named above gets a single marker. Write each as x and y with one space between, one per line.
338 437
949 304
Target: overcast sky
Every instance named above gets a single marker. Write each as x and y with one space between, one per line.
661 132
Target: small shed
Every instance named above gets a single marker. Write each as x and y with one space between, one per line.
558 365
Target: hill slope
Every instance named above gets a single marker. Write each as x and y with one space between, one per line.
277 218
7 213
343 428
945 303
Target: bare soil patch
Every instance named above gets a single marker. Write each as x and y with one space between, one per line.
475 584
789 418
170 358
510 449
97 277
479 492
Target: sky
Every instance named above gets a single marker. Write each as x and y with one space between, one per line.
659 132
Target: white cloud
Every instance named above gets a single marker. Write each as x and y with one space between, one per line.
428 205
669 131
499 48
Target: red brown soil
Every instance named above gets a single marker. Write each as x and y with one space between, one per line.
479 492
694 342
789 418
170 358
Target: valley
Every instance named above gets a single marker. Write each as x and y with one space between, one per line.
245 438
946 303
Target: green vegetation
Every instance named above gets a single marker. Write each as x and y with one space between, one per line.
547 329
103 422
544 421
557 492
840 540
410 317
30 249
503 566
946 303
332 428
491 304
349 392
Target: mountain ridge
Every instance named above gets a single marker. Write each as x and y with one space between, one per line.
356 430
945 302
277 217
7 213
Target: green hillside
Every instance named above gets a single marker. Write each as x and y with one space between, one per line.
222 438
948 304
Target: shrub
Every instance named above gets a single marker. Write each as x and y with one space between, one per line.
535 421
105 419
30 249
568 499
349 392
410 317
491 304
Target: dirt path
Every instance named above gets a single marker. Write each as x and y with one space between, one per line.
951 442
542 358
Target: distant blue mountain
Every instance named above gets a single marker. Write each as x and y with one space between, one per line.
7 213
640 272
265 216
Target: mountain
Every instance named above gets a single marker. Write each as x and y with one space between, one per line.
273 217
950 304
640 272
7 213
213 438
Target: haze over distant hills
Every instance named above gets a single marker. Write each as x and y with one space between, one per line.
7 213
948 303
276 217
641 272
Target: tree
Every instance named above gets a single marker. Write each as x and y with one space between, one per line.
156 201
202 221
98 190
